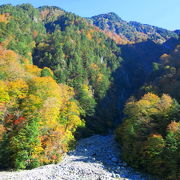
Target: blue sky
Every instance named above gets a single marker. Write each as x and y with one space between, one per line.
162 13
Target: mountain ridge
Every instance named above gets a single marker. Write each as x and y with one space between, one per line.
132 31
63 78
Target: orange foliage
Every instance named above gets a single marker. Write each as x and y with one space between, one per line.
35 34
4 18
89 34
32 69
165 58
119 39
2 130
174 126
155 136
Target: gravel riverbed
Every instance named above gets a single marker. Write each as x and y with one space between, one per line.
95 158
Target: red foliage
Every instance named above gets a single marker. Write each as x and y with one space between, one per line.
19 120
54 157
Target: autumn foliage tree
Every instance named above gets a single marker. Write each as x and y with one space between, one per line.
38 117
150 133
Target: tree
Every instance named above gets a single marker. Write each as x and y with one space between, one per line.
87 102
26 146
150 133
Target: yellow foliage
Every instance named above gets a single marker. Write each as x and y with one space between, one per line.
148 104
94 66
73 114
50 111
152 98
87 90
165 102
37 151
100 77
4 18
10 65
43 96
43 45
4 96
44 87
31 103
32 69
18 89
25 61
146 107
66 93
52 102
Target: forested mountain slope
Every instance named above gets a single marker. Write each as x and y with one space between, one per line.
150 131
63 77
49 102
37 115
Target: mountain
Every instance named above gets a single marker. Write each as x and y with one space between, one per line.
177 31
131 32
50 13
150 130
55 68
64 77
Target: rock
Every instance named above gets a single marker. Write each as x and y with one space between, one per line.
118 176
94 158
114 159
124 164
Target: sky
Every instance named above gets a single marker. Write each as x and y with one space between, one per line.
161 13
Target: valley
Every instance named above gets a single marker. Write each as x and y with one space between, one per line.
85 97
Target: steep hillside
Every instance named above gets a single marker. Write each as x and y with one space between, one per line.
78 53
150 131
44 106
38 116
134 71
166 75
177 32
62 78
131 32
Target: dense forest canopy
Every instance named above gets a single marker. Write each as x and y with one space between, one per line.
64 77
